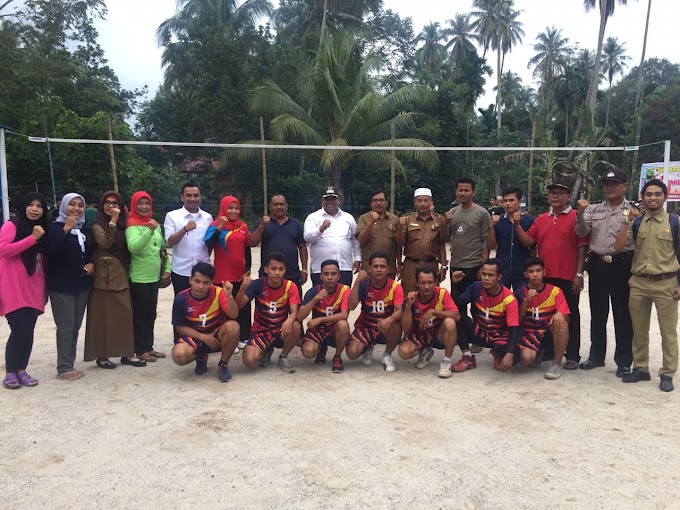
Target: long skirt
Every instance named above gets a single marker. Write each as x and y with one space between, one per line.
108 332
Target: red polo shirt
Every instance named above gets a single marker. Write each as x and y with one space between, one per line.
557 243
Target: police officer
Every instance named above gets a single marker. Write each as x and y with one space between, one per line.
422 234
608 271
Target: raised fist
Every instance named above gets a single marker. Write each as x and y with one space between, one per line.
222 221
363 275
70 223
38 232
323 294
531 294
403 220
325 225
266 220
375 216
228 287
457 276
516 217
190 226
494 219
581 206
449 215
412 297
246 280
153 224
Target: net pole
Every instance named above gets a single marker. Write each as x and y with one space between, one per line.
264 168
530 181
112 155
3 176
393 169
49 157
666 169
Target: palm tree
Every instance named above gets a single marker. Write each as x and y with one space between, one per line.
571 86
223 11
606 8
462 37
613 63
511 89
497 27
334 103
638 91
552 51
431 54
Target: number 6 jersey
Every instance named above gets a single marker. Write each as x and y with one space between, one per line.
330 305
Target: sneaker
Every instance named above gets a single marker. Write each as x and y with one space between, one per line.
321 356
223 372
338 367
236 350
241 345
497 359
201 366
445 369
285 365
266 358
554 371
388 363
367 356
465 363
424 357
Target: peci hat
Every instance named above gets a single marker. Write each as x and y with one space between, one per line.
615 174
559 183
330 192
422 192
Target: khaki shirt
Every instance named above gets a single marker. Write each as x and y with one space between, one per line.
383 239
423 238
603 223
654 250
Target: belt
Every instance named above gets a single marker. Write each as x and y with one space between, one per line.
656 277
422 261
617 257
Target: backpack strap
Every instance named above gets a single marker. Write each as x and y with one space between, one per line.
636 226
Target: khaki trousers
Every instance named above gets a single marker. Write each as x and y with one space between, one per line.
408 274
643 293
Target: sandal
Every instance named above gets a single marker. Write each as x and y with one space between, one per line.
147 357
105 363
157 354
570 365
27 380
134 362
10 382
69 376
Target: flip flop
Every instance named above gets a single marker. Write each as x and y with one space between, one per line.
27 380
157 354
147 357
106 363
69 376
11 382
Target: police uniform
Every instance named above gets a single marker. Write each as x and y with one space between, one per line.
422 242
608 272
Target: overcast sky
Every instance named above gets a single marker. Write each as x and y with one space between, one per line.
128 34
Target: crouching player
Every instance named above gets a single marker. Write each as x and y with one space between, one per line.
429 320
329 305
494 316
545 313
381 301
199 315
276 306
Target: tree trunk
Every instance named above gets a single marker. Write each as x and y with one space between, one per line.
498 91
609 103
638 102
591 98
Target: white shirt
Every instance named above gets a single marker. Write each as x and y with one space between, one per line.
337 242
191 249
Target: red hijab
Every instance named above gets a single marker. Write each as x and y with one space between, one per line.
135 219
224 205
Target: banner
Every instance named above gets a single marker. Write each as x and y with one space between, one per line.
655 171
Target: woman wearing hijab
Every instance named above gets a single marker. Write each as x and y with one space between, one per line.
108 329
22 293
145 242
69 280
228 236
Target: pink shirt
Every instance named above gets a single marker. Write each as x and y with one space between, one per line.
18 290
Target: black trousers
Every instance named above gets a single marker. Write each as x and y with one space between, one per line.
243 317
610 282
345 278
574 345
179 283
144 302
20 342
470 278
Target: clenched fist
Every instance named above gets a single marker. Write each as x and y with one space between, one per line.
494 219
190 226
153 224
70 224
362 276
325 225
38 232
412 297
581 206
531 294
516 217
375 216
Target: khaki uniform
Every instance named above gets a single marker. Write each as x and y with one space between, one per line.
654 280
383 239
422 242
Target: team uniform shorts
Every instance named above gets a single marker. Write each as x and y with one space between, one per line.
198 346
322 335
533 339
265 339
368 336
422 339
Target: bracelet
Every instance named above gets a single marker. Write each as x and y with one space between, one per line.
304 271
185 229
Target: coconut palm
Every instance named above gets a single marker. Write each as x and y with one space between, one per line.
614 60
552 51
497 28
570 88
335 104
511 89
431 54
606 8
462 37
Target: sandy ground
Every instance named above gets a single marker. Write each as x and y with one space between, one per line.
163 437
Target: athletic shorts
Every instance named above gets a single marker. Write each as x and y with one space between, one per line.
422 339
533 338
197 345
368 336
483 339
322 335
265 339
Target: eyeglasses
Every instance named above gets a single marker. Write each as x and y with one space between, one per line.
110 202
379 200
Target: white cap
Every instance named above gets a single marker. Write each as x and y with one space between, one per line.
422 192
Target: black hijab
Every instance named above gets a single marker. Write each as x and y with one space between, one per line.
25 228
